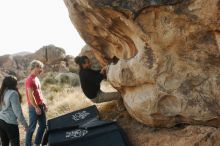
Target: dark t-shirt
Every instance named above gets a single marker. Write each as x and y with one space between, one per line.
90 82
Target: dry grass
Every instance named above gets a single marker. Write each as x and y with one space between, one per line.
69 99
66 99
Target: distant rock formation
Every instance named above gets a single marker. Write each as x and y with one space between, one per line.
50 54
7 62
169 55
53 57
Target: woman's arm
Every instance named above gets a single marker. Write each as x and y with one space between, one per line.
16 107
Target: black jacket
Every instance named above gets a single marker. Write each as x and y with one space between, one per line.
90 82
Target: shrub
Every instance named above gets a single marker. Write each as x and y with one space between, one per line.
74 69
68 78
49 79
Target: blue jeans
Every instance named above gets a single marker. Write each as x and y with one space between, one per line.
33 120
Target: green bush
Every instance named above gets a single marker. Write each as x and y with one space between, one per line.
68 78
74 69
49 80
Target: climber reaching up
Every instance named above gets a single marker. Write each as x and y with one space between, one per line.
90 81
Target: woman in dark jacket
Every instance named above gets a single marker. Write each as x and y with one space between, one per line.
90 82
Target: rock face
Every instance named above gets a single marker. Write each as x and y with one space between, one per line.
50 54
142 135
16 65
169 55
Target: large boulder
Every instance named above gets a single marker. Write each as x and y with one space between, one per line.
169 55
14 65
50 54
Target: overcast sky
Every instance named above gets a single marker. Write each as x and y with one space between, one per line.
27 25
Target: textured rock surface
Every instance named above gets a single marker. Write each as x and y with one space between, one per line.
142 135
50 54
169 51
